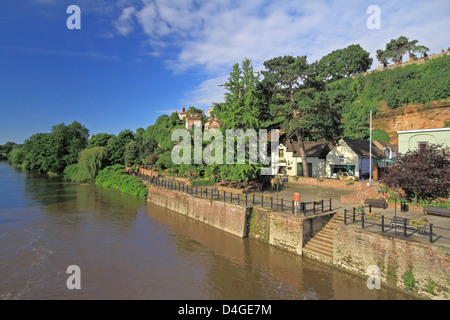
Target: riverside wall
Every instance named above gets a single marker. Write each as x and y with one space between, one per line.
424 268
286 231
400 261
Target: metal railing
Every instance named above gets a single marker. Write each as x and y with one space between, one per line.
263 200
395 223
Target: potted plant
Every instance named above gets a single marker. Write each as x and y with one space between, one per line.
420 224
373 216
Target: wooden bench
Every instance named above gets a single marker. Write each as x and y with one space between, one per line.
437 211
380 203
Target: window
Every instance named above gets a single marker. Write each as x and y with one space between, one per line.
281 153
341 159
421 146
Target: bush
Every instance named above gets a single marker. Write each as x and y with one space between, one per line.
202 182
70 173
115 177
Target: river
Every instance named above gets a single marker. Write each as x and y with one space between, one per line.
127 248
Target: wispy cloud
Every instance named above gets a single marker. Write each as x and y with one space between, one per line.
209 36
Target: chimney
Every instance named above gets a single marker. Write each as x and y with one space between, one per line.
184 109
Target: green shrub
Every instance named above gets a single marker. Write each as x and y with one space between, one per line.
115 177
70 173
202 182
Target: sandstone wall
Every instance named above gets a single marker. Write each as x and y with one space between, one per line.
412 117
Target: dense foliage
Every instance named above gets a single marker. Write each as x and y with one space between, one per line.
321 101
422 173
115 177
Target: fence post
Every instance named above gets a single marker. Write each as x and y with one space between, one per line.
262 201
253 199
404 227
345 216
354 214
431 233
271 203
293 207
322 205
362 220
246 200
239 197
382 223
281 204
330 204
231 194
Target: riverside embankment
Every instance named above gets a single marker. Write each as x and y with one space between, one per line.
421 269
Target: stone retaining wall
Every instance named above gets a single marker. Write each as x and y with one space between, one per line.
424 265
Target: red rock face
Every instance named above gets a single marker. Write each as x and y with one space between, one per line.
412 117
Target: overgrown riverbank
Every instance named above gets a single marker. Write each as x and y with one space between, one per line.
111 177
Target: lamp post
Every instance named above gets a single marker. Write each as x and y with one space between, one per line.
370 148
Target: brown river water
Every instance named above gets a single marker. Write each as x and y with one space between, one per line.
127 248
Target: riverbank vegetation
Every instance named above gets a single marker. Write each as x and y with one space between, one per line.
321 101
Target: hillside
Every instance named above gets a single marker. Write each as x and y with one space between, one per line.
414 96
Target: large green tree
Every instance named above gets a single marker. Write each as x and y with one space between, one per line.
116 146
241 107
345 62
395 50
283 78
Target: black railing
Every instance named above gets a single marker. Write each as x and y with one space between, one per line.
400 225
264 201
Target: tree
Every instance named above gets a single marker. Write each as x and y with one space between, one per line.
421 50
283 78
91 161
241 107
99 140
131 153
116 146
344 63
395 50
421 173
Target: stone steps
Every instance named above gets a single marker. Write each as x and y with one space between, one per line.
321 246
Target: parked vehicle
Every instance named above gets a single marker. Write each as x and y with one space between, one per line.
345 176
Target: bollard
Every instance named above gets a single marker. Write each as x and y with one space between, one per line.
345 216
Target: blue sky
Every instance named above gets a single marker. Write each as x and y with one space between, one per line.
134 60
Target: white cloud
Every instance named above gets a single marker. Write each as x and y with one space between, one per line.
124 24
209 36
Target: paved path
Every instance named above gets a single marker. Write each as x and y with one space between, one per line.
441 225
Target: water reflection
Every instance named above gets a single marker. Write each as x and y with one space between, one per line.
130 249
